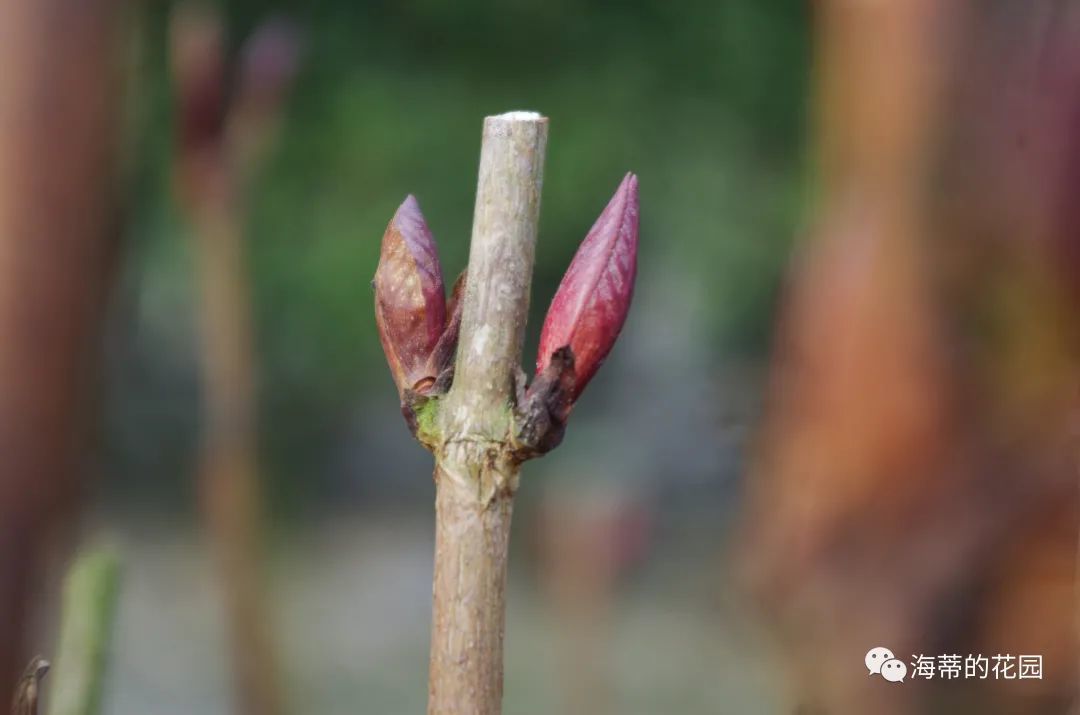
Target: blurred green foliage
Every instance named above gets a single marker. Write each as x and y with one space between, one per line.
705 100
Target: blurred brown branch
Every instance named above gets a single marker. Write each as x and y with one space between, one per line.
58 88
915 485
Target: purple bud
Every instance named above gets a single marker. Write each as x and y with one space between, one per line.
268 63
410 303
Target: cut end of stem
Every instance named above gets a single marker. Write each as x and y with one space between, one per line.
503 125
519 116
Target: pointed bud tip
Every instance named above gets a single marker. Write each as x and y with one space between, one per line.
410 207
410 221
629 187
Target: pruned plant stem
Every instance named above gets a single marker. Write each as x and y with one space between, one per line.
475 471
89 609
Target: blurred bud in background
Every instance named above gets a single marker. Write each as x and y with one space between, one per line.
226 111
267 66
198 64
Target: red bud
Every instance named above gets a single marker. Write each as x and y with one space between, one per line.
591 304
197 58
410 303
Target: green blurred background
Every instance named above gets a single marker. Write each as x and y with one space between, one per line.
706 102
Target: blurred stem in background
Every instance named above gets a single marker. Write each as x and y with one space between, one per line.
86 624
218 148
59 81
586 541
231 497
